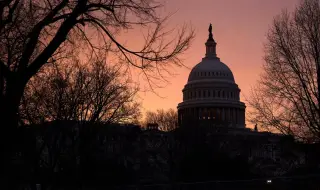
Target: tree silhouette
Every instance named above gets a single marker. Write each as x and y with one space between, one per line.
166 119
286 98
205 163
34 33
81 92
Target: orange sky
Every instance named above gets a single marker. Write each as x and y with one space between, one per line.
239 28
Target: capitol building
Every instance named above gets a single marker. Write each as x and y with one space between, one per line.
211 95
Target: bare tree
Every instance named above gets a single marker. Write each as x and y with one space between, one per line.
81 92
286 98
34 33
166 119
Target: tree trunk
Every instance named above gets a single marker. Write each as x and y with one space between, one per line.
318 95
9 125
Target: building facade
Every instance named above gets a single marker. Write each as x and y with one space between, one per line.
211 96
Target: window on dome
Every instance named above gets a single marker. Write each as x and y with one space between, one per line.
231 95
204 73
222 94
214 93
218 94
199 94
209 93
204 93
212 73
217 73
209 74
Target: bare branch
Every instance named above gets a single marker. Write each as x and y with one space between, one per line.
287 96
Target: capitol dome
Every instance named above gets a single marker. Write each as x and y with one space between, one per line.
211 95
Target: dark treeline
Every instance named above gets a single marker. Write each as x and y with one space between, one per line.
66 154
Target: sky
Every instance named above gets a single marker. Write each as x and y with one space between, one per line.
239 28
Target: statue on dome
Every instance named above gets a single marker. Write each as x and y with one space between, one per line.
210 33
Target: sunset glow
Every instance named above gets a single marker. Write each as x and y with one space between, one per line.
239 28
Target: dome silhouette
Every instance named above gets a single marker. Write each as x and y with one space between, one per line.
211 95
